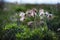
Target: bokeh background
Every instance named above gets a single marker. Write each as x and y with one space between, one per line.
12 29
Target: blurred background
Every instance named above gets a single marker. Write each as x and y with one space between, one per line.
19 22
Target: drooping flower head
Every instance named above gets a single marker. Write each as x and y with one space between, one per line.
31 12
41 12
22 16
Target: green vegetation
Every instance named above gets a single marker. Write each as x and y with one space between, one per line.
11 31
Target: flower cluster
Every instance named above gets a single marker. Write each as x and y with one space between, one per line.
33 13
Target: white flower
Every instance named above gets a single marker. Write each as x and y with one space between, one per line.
50 16
22 19
46 13
41 12
31 13
22 14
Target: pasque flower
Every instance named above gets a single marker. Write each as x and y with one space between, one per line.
22 16
31 12
41 12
